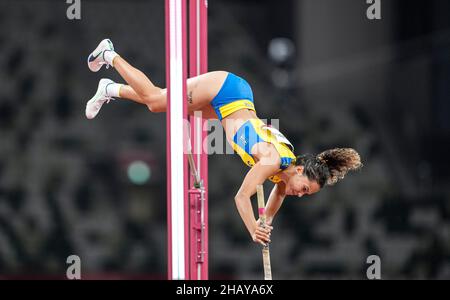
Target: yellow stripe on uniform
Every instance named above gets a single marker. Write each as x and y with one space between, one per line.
246 158
234 106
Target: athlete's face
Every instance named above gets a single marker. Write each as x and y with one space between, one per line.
299 185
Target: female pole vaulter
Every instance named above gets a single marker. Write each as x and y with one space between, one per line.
264 149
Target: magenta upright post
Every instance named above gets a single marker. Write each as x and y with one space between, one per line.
187 200
198 64
177 166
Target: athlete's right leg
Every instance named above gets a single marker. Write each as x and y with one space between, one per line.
109 90
157 105
140 88
201 89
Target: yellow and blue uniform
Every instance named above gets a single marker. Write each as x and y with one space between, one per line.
256 131
236 94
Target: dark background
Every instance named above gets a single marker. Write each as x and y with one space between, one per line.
381 87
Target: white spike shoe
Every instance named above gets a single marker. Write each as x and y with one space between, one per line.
97 58
94 105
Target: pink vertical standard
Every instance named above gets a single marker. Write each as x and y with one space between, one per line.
187 205
177 175
198 64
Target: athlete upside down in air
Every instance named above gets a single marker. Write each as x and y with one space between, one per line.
229 98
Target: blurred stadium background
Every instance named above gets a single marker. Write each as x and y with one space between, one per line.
97 188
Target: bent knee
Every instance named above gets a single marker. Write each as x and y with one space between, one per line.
154 104
154 107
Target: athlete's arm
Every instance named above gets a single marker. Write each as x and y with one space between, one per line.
275 201
257 175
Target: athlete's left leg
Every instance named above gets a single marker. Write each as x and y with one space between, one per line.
201 89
